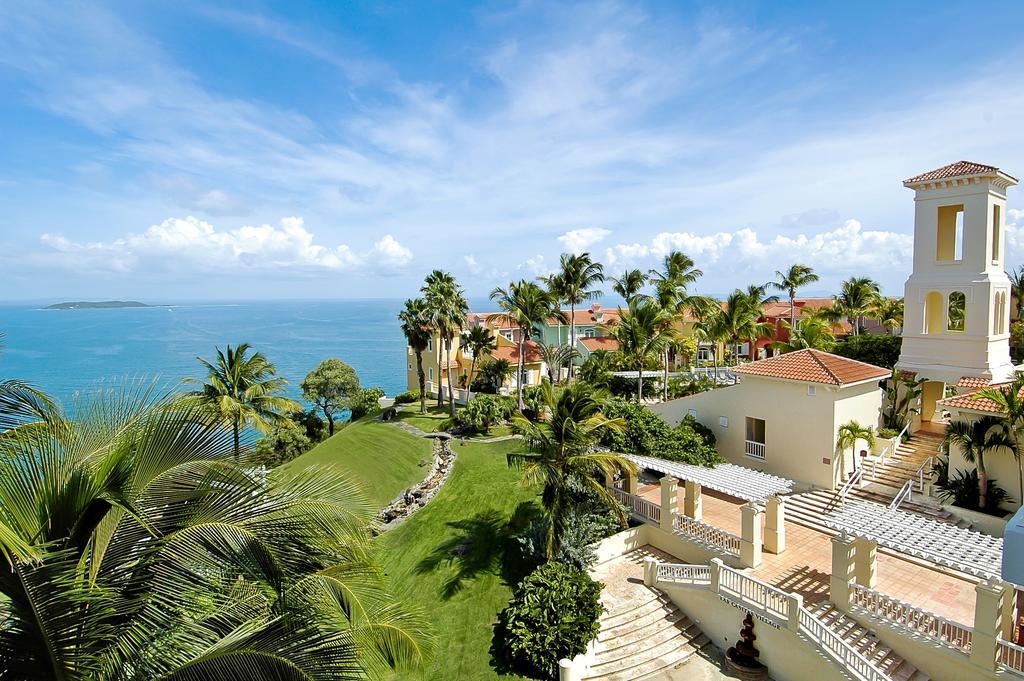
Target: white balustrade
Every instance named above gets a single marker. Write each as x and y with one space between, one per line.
833 645
708 534
1010 656
911 617
639 505
755 595
755 450
697 575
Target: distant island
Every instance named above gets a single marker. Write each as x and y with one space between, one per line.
100 304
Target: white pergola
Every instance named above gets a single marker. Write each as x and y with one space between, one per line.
736 481
969 552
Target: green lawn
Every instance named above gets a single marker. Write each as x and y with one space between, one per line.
495 431
451 557
429 422
382 458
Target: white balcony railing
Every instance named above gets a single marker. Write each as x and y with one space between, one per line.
642 507
1010 656
917 620
708 534
755 450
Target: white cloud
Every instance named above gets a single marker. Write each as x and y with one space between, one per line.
536 266
579 240
472 264
197 243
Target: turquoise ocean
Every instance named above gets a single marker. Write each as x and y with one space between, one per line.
65 352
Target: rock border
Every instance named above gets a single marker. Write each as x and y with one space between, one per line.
416 497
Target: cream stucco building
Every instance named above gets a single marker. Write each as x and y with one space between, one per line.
784 414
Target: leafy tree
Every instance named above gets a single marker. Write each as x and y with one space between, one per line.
366 401
557 356
416 328
281 445
244 391
902 391
493 375
643 333
597 369
560 451
856 299
573 284
888 312
962 490
331 387
480 342
849 433
810 333
526 305
646 434
976 439
312 425
485 411
446 309
140 548
737 320
793 279
629 284
554 614
883 351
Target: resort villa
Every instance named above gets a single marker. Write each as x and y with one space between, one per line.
841 559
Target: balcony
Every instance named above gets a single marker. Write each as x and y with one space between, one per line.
755 450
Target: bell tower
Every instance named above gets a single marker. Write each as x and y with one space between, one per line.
957 300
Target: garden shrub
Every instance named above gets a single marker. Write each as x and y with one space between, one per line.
484 411
367 401
887 433
883 351
408 397
553 615
281 446
646 434
961 489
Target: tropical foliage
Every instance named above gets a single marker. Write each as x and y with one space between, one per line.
856 299
883 351
479 342
526 305
629 285
810 333
573 284
1010 400
643 333
975 440
416 329
793 279
446 309
331 386
645 433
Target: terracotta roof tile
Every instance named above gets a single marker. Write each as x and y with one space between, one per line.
970 400
973 382
814 366
957 169
511 353
600 343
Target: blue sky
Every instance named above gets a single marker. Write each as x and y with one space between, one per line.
184 150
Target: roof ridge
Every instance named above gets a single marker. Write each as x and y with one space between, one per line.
814 354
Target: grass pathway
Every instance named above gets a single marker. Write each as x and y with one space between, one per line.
454 558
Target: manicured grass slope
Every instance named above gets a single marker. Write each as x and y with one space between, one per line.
382 458
453 557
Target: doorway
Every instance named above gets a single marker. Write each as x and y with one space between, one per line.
931 392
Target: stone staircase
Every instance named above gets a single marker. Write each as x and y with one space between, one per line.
642 637
867 644
889 475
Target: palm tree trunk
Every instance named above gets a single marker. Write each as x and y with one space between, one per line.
469 382
440 382
572 333
234 432
423 381
792 310
982 483
520 365
640 383
664 380
448 369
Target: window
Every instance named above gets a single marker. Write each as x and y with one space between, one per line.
410 366
950 234
755 444
995 234
957 317
934 320
589 333
430 373
812 390
506 334
704 355
430 345
999 312
723 421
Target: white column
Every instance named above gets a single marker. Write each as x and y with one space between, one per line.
668 502
630 481
775 525
650 571
866 562
716 574
842 570
693 503
796 601
750 540
988 622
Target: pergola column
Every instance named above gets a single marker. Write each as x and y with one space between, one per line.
668 502
775 525
750 539
631 479
693 503
841 581
609 479
866 562
989 614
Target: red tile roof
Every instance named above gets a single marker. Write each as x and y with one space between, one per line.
608 317
600 343
511 353
970 400
814 366
957 169
973 382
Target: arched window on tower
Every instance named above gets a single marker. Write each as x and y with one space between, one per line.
957 312
949 239
934 317
999 313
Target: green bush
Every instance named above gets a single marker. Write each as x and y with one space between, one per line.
961 489
887 433
408 397
484 411
367 401
883 351
312 424
646 434
553 615
281 446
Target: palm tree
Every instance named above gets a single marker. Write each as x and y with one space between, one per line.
557 356
758 294
888 312
244 391
561 452
479 341
678 268
975 439
1010 400
849 433
643 333
447 309
139 548
526 305
796 277
629 284
417 334
815 334
737 320
1017 289
573 284
855 300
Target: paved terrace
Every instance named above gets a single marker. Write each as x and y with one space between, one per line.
805 565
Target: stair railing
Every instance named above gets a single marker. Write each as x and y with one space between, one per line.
850 483
888 450
906 492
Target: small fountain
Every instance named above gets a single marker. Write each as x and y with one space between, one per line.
742 657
